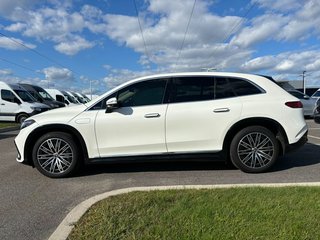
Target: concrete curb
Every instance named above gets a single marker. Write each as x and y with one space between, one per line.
9 129
67 224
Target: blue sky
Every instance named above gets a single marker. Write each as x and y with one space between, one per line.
72 43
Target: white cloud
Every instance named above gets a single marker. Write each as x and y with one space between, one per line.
263 28
58 74
57 24
164 36
5 72
16 27
8 7
13 44
73 46
282 6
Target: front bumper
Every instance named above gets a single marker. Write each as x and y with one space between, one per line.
300 143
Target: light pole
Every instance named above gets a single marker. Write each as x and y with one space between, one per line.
303 81
90 90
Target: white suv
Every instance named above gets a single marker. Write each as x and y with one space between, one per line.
245 118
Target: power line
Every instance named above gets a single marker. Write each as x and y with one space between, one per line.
35 51
185 33
18 65
144 42
237 24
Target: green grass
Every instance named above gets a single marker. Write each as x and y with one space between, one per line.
238 213
7 124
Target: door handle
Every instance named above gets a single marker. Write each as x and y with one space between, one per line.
221 110
152 115
2 104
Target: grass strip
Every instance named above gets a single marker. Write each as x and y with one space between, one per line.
236 213
7 125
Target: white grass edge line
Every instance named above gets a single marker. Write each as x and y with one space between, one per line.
313 137
67 224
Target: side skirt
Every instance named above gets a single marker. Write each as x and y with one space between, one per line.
203 156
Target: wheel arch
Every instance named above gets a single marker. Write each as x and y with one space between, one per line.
35 134
274 126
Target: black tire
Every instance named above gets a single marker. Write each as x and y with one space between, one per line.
56 155
254 149
21 117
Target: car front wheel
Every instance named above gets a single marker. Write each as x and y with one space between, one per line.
254 149
55 155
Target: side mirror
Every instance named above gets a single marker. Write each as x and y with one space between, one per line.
111 103
306 97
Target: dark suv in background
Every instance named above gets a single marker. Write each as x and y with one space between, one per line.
42 96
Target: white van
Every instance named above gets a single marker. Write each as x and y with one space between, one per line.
16 104
59 96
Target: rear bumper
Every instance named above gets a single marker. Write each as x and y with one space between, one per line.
300 143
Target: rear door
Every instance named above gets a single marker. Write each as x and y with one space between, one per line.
197 118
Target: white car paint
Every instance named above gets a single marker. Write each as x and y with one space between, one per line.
174 127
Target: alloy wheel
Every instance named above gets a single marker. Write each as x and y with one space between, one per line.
55 155
255 150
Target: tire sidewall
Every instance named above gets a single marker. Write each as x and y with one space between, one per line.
22 116
234 149
65 137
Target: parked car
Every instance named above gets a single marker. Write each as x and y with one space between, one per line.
70 97
85 97
309 104
246 118
59 96
16 104
42 96
79 98
316 95
317 112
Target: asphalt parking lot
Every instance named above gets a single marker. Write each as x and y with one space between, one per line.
32 206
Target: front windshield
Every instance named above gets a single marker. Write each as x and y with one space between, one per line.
24 95
80 99
316 94
70 99
45 95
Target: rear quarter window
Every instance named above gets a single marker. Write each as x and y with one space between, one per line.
232 87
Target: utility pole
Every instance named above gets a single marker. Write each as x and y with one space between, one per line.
303 81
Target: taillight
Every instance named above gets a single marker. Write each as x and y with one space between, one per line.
294 104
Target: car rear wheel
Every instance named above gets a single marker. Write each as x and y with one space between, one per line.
254 149
56 155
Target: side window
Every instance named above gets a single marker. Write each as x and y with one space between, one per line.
223 88
7 95
188 89
143 93
231 87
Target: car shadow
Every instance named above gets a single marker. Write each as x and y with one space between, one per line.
7 135
157 166
305 156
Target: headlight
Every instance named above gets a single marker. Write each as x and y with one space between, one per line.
27 123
